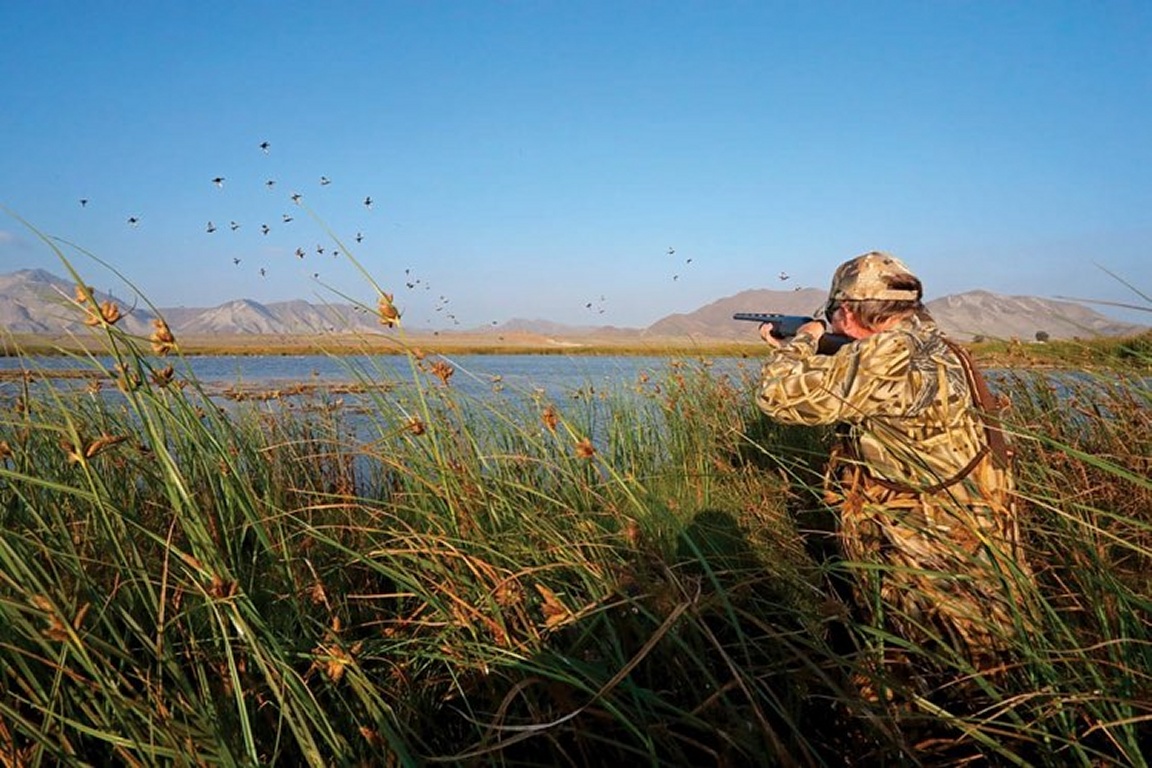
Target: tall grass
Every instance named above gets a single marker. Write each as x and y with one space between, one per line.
413 577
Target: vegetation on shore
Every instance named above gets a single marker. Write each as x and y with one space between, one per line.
1102 353
391 344
415 577
1123 352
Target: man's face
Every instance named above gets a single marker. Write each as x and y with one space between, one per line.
844 322
836 317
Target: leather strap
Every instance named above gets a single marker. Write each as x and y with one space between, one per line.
986 404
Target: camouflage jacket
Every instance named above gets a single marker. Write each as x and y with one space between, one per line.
903 393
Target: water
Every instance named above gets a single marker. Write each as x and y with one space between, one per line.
550 376
553 376
583 388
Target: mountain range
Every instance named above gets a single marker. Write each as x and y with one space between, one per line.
37 302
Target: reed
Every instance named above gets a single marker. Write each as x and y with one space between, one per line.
400 574
1099 353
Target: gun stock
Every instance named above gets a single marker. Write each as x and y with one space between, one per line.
786 326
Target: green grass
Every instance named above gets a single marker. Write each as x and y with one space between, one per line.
620 576
398 574
1100 353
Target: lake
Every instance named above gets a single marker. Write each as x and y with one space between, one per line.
551 375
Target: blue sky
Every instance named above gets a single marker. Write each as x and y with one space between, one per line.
542 159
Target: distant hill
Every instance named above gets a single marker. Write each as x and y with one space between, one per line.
37 302
715 320
963 316
34 301
982 313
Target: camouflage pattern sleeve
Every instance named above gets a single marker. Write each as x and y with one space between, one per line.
869 377
904 393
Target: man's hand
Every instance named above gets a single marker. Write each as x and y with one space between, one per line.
766 334
814 328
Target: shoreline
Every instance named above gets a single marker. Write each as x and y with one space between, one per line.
399 344
1096 354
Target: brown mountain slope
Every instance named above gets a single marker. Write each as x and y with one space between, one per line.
37 302
963 316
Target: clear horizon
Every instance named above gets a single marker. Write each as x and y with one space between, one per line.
787 305
591 163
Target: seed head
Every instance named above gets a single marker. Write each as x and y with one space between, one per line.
585 449
109 315
550 418
163 377
442 371
389 315
163 341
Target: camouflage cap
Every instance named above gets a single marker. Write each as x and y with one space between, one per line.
868 277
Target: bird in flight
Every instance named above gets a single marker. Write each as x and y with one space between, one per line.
359 237
133 220
299 253
211 228
218 181
671 251
287 218
325 181
270 183
265 228
83 202
368 202
296 198
784 276
235 260
265 146
234 226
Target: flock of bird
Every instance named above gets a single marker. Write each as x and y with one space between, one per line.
411 283
285 218
676 276
264 228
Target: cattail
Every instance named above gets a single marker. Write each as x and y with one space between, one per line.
103 443
550 418
555 612
442 371
389 315
109 314
128 380
162 339
81 452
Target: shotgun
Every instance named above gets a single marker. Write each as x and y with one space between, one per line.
785 327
